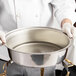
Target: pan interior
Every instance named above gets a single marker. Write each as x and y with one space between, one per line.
37 47
36 40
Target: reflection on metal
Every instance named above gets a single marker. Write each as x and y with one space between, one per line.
37 59
42 71
68 73
4 73
5 65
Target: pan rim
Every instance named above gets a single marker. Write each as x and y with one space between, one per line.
70 41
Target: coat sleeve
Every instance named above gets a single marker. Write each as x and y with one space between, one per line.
7 22
1 11
64 9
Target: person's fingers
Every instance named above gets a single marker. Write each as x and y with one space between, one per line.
70 35
67 28
69 32
3 40
2 37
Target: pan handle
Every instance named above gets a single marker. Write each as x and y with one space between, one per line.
70 64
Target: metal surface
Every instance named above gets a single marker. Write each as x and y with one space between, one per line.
5 70
70 64
42 71
37 47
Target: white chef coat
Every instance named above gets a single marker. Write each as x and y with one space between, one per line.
28 13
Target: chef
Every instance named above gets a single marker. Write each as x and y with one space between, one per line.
34 13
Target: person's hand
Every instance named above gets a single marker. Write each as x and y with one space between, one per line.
2 37
68 29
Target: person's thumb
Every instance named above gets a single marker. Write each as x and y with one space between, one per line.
2 37
67 28
68 32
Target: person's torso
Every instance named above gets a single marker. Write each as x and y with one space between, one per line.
31 13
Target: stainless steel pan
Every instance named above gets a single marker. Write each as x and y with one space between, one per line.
37 46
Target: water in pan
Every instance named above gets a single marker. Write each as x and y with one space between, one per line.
36 47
